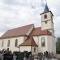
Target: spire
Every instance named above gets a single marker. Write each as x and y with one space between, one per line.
46 8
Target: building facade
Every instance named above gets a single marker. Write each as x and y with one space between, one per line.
28 38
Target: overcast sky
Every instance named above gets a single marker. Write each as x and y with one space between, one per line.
16 13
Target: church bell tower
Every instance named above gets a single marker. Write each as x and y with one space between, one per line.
47 20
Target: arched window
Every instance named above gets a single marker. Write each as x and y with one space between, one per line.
45 16
43 42
16 42
8 43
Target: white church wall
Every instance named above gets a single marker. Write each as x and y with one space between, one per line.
36 38
36 50
40 48
0 44
54 45
25 48
12 43
38 42
29 48
47 25
3 43
48 15
50 43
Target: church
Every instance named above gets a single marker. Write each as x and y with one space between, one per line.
30 38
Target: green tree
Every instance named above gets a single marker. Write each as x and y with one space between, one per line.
58 45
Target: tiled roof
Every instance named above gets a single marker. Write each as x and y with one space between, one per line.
29 42
20 31
38 31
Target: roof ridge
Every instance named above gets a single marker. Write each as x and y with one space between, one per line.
17 31
21 26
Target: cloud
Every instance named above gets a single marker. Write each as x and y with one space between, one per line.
15 13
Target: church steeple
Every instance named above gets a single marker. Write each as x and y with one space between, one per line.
47 20
46 8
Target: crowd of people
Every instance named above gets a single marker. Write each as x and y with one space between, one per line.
16 55
6 54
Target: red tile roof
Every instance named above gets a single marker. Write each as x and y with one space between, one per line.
38 31
20 31
29 42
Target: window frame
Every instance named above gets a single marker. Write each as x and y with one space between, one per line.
45 16
2 43
8 45
16 42
34 49
42 42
